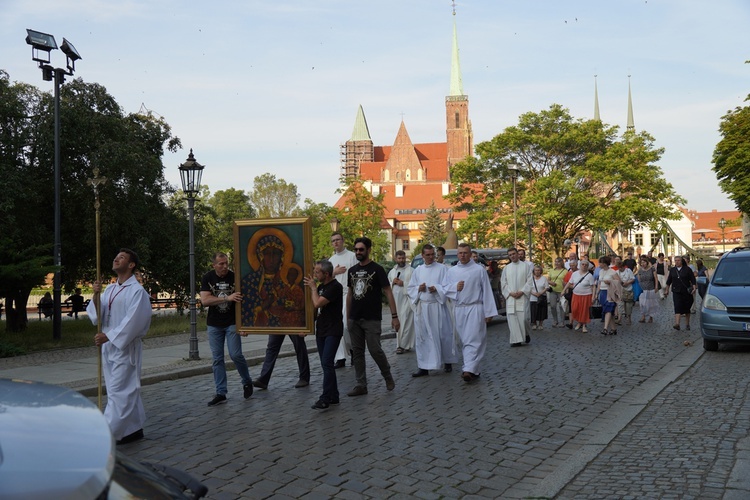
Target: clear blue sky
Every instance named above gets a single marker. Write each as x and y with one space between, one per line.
274 86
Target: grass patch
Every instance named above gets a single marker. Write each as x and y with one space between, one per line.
80 333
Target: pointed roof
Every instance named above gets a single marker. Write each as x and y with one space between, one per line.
457 86
403 155
631 123
360 132
597 117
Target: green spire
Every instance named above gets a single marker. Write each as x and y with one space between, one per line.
360 132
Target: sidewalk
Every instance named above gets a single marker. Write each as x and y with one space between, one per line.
164 358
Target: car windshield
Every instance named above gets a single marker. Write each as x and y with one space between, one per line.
732 272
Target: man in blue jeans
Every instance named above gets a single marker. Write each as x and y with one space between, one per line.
217 293
328 298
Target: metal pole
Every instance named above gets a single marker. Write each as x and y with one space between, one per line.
515 217
193 355
97 181
57 281
530 245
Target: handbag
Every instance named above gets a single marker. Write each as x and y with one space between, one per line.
541 301
595 311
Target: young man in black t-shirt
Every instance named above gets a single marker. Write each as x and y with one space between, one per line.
328 299
367 281
217 293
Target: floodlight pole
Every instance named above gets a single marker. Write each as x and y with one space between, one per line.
57 281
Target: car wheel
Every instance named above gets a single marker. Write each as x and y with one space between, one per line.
710 345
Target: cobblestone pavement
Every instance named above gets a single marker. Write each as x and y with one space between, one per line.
569 415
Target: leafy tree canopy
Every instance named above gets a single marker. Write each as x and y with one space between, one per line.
273 197
363 215
732 157
572 175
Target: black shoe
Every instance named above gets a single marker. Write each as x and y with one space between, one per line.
420 373
528 339
334 402
320 405
570 325
217 400
448 368
301 383
340 363
131 437
260 385
517 344
247 390
687 327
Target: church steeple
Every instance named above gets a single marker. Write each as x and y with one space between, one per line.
459 137
597 117
631 122
357 149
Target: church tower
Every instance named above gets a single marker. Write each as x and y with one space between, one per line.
460 139
358 148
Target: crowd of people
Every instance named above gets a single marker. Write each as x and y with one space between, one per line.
437 309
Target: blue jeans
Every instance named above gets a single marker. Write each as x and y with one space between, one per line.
216 338
272 352
327 347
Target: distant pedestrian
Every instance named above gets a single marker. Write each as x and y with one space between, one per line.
367 283
682 282
218 294
538 298
609 293
327 295
469 287
76 303
582 284
648 282
516 285
702 273
556 283
399 278
662 269
46 305
125 318
627 278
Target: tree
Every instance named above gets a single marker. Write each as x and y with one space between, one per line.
434 227
320 218
574 175
363 215
226 207
732 157
96 133
274 198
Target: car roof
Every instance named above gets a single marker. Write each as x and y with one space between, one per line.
54 443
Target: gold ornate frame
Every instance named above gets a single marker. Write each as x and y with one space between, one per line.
271 258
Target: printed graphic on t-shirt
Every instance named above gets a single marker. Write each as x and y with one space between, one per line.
222 290
362 283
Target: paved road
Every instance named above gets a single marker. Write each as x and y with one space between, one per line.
571 415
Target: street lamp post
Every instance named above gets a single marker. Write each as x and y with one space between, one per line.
530 224
41 46
723 225
335 224
190 175
514 176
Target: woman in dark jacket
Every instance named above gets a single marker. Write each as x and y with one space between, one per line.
682 282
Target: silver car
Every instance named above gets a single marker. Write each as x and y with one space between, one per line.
55 443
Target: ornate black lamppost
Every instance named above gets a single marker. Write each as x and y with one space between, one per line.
190 175
530 225
723 225
514 176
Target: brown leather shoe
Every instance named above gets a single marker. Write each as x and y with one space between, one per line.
390 384
357 391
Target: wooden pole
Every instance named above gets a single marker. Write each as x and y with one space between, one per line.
95 182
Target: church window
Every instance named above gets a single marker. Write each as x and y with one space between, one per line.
639 239
404 244
458 121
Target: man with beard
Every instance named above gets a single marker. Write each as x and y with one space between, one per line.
399 277
516 284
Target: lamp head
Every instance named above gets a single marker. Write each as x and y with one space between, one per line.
71 53
41 45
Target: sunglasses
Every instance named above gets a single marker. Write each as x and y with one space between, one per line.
358 250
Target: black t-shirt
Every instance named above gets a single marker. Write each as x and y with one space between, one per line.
221 314
330 322
367 283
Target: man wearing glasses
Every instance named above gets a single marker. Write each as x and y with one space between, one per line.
342 259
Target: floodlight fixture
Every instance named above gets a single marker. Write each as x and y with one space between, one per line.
71 53
41 44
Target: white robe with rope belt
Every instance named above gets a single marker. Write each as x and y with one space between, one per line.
405 334
516 277
126 310
435 343
472 306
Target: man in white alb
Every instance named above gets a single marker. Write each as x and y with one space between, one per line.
126 317
435 345
342 259
516 283
468 285
399 277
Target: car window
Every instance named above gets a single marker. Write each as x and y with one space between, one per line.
732 272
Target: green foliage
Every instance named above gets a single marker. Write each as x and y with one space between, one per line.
731 157
223 208
573 175
434 227
362 214
320 218
274 198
